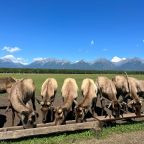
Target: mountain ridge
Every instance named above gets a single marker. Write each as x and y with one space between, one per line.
131 64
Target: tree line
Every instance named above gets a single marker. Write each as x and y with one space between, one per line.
64 71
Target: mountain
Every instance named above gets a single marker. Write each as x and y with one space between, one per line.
133 64
103 64
82 65
49 63
5 63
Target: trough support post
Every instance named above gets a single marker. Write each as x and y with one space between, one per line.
97 129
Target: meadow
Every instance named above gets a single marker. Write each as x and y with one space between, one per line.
40 78
75 137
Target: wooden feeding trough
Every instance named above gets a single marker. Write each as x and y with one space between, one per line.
125 116
17 132
44 129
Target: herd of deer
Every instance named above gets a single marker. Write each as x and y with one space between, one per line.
116 95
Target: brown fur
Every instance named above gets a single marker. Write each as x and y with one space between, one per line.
69 93
107 90
6 84
48 92
21 93
89 92
129 86
49 88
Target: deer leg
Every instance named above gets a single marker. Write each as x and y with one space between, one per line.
8 107
93 108
33 102
102 105
13 117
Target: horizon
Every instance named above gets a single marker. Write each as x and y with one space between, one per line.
71 30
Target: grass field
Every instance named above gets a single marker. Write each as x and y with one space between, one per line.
40 78
72 137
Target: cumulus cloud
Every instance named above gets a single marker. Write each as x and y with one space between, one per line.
14 59
117 59
11 49
92 42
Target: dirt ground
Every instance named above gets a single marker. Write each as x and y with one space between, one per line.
6 118
126 138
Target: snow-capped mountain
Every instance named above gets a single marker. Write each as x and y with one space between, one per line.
134 64
6 63
48 63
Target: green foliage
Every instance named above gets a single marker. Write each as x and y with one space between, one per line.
64 71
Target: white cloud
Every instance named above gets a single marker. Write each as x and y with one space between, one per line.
14 59
39 59
92 42
117 59
11 49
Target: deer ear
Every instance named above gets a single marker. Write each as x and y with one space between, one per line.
75 102
131 102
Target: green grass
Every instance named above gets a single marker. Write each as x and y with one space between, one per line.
69 138
40 78
123 128
56 139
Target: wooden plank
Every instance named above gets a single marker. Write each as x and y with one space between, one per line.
125 116
48 130
39 125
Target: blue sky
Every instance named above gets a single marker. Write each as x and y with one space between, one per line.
71 29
